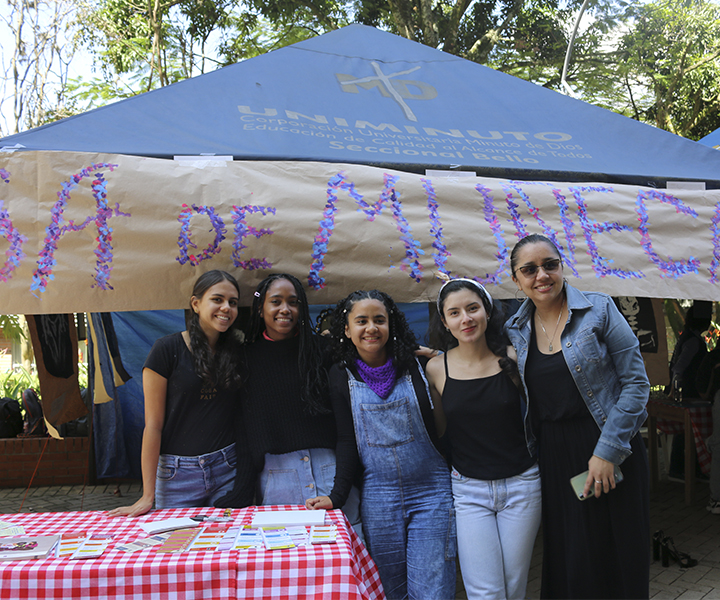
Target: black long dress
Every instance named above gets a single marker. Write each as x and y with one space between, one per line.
600 547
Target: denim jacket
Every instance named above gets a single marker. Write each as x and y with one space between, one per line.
603 356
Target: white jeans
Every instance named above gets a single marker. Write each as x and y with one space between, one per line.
497 522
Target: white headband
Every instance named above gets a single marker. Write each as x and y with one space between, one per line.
483 291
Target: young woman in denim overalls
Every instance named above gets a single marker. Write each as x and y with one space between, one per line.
407 509
495 476
190 384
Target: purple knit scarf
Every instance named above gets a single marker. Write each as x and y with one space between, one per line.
380 379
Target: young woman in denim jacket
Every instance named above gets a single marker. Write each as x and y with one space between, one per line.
587 389
380 391
495 476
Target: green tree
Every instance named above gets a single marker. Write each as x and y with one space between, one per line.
155 44
669 66
35 63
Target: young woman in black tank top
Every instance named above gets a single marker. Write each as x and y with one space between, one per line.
495 478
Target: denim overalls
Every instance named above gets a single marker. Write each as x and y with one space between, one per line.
407 507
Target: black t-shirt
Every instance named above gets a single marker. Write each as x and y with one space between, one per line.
198 418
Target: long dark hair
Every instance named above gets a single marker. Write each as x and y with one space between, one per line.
218 368
495 336
401 343
310 356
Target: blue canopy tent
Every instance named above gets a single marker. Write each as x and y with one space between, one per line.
363 96
712 139
360 95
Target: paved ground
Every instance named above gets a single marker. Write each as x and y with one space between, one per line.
694 530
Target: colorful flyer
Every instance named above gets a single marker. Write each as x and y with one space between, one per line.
144 543
92 547
70 542
276 538
323 534
179 540
210 537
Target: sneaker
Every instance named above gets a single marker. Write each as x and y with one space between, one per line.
714 506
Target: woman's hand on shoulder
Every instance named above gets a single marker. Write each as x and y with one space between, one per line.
319 502
141 507
511 352
427 352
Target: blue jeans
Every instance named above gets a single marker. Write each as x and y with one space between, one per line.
407 505
294 477
185 481
497 522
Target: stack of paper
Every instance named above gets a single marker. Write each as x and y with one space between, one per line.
92 547
178 541
70 542
143 544
7 528
248 538
288 518
153 527
323 534
276 538
210 537
21 548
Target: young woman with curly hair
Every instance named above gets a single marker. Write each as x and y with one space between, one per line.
285 421
379 389
190 384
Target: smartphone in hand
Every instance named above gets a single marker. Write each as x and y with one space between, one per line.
578 483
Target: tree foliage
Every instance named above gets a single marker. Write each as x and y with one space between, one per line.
670 65
35 65
656 61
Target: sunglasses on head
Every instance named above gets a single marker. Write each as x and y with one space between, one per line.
549 266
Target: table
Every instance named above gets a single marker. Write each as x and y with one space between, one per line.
694 418
339 570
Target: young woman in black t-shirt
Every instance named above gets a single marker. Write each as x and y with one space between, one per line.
495 477
285 420
190 384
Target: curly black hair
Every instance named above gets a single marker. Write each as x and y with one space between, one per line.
401 344
310 355
495 336
218 368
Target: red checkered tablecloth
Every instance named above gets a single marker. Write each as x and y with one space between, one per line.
702 426
340 570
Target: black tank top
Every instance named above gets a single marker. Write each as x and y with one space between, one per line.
484 426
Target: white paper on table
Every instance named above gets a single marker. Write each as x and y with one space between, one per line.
288 518
153 527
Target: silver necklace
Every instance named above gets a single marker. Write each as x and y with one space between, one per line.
550 339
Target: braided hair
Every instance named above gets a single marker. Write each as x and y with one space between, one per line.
216 368
401 343
310 356
495 336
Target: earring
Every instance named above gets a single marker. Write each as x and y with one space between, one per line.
517 291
